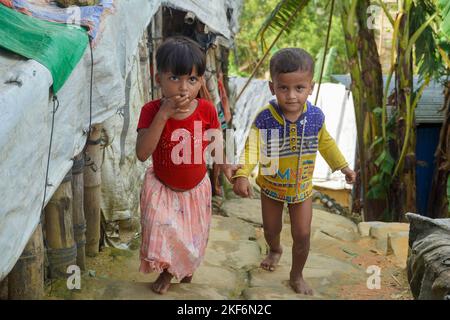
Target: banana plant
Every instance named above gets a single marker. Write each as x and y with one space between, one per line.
414 35
444 6
280 21
438 202
367 90
387 144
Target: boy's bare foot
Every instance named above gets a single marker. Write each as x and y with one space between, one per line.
270 262
187 279
300 286
162 284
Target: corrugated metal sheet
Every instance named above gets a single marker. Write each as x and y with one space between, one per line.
430 104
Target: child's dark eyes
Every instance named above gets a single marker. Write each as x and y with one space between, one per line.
299 88
176 78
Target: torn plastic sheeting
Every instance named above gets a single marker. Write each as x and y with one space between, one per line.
235 6
122 173
58 47
26 116
86 16
211 13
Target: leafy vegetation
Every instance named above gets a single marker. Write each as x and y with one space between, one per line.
420 45
307 31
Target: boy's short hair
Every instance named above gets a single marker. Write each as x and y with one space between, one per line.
291 60
180 55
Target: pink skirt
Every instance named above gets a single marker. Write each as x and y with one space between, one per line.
175 226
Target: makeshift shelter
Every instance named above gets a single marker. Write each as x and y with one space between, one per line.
124 35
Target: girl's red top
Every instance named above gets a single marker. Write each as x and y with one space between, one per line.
171 164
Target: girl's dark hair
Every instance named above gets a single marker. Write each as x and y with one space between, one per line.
290 60
180 55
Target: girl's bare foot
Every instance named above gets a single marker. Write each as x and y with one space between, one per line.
300 286
187 279
162 284
270 262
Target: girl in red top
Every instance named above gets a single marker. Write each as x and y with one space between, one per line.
176 192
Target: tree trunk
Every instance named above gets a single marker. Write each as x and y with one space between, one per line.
402 191
367 84
438 201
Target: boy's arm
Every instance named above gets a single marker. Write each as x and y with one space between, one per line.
222 159
330 151
250 156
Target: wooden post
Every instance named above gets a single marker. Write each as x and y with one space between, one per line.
156 39
79 221
61 247
26 279
4 289
92 191
145 66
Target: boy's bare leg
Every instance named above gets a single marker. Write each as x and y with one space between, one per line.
272 214
162 284
301 216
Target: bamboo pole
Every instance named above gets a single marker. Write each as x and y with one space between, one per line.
4 289
144 66
92 191
156 40
26 279
61 246
79 220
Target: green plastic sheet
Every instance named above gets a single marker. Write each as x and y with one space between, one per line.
59 47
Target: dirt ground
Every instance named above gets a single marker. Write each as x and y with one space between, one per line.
112 269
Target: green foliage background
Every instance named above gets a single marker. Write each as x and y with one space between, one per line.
308 32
